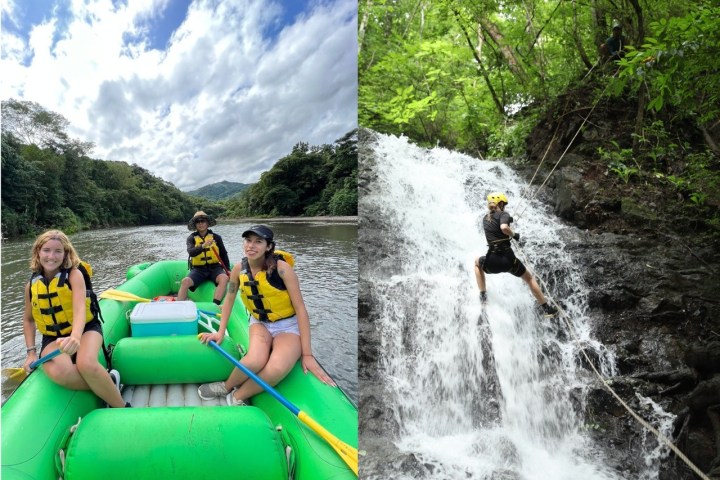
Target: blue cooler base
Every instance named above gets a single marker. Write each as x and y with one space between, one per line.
171 328
164 319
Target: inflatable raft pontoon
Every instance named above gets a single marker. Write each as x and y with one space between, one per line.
49 432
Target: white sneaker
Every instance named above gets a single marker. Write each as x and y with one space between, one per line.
234 402
115 376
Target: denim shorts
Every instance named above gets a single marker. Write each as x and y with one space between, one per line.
286 325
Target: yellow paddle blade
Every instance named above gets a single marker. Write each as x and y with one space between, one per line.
348 453
122 296
14 374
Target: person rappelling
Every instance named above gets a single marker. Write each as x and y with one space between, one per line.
500 257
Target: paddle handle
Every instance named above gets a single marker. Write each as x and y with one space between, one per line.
44 359
217 254
257 379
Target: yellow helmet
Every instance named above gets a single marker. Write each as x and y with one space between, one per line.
496 197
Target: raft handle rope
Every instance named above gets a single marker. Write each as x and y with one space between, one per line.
60 460
659 435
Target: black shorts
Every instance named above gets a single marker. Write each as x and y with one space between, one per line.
91 326
199 275
501 263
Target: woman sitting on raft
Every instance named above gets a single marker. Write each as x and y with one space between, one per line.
278 337
56 302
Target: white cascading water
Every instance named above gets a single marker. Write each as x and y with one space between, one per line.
493 397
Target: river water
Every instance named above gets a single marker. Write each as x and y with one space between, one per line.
498 395
325 253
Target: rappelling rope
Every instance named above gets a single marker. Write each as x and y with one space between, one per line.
629 409
585 119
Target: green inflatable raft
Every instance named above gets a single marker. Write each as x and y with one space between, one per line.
49 432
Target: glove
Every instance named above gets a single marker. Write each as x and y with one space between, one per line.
516 237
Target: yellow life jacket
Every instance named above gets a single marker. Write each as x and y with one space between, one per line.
266 296
207 256
51 301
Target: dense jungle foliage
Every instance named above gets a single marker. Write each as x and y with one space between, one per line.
310 181
49 181
478 77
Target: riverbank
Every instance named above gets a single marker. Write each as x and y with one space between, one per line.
353 219
349 219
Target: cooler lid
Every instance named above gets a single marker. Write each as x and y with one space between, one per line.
184 310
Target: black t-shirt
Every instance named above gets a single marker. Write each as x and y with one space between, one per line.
493 233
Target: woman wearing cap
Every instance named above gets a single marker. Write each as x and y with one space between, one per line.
279 322
208 257
500 257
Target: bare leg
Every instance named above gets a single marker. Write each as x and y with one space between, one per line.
184 286
534 287
479 275
222 281
62 371
94 373
256 357
285 353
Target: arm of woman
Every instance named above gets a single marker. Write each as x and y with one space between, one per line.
71 344
293 288
232 290
29 330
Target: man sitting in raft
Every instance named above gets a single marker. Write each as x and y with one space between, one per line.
206 251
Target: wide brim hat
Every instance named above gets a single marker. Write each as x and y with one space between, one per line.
198 215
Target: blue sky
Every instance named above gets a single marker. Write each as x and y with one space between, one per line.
195 91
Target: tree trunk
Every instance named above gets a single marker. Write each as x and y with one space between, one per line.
477 54
363 23
640 38
578 40
639 118
709 140
506 51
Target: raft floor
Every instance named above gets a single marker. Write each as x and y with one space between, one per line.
175 395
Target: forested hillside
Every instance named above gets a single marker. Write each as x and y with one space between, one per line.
310 181
219 191
480 76
50 181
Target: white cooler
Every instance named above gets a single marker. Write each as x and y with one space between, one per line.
164 318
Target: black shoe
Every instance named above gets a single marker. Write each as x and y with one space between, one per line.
548 309
483 297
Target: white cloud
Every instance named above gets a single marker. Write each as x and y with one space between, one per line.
222 102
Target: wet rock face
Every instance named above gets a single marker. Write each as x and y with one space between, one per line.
377 427
654 272
654 301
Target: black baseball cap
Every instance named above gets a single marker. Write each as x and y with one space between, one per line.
261 231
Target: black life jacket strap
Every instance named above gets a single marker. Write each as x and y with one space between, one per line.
256 297
47 296
57 327
51 310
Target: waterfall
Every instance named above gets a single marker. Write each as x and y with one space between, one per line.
498 395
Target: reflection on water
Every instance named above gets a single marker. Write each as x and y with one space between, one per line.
326 263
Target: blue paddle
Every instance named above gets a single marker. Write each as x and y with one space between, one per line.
19 374
348 453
